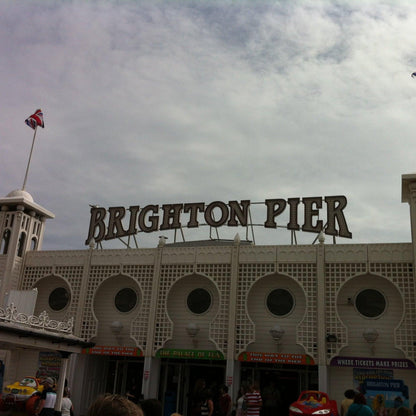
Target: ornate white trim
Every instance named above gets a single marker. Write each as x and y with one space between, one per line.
10 314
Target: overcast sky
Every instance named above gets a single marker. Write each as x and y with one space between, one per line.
151 102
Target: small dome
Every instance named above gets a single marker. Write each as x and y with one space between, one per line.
18 193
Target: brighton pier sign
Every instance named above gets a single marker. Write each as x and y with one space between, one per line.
121 222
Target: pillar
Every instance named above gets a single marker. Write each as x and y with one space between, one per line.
61 382
321 315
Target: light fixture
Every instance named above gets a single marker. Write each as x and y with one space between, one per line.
192 329
277 333
116 328
331 338
371 335
162 241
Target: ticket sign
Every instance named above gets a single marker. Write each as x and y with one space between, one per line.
363 362
274 357
192 354
113 350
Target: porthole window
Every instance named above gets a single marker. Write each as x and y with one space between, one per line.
59 299
370 303
199 301
125 300
280 302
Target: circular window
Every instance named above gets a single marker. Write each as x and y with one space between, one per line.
199 301
280 302
59 299
370 303
125 300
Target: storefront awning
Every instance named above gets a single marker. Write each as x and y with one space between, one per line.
12 336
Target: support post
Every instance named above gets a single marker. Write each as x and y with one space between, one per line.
61 383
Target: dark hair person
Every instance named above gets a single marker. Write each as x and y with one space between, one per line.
359 407
114 405
151 407
348 401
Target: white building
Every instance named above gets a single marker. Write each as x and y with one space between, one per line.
320 316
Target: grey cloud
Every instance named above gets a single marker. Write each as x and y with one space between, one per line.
152 102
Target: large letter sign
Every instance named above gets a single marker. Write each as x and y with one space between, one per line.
122 222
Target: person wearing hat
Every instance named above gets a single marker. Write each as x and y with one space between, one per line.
47 399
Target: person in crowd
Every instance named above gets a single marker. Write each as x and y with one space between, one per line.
271 399
253 400
397 402
239 404
403 411
114 405
133 393
196 398
207 405
67 409
224 401
379 405
46 406
151 407
359 407
66 387
347 401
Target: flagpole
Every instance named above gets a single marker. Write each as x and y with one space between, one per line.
30 157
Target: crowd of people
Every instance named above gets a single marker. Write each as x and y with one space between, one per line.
250 402
43 403
205 403
355 404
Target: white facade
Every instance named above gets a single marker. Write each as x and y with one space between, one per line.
157 340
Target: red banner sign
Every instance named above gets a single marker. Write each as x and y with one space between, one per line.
274 357
112 350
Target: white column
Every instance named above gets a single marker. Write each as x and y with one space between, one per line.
151 377
409 196
61 382
230 380
88 256
321 324
149 361
323 377
236 384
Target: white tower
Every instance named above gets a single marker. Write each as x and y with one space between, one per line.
22 225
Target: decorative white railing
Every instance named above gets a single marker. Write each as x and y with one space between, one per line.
10 314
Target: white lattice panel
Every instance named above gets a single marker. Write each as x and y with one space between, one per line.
32 274
305 275
335 276
97 275
169 274
221 275
73 275
140 325
248 274
401 274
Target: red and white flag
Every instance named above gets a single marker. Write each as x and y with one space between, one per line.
36 119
